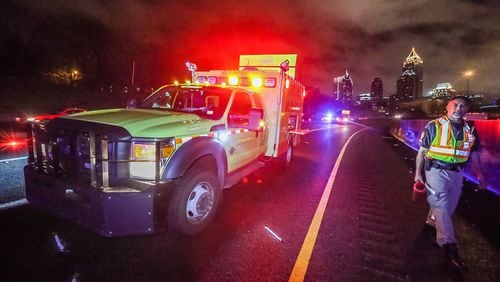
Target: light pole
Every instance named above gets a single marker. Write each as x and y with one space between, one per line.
192 68
468 75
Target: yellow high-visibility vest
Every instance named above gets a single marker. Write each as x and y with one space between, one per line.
445 147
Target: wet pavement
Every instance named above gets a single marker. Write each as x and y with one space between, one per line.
371 230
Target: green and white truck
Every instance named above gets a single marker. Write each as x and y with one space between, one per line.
165 163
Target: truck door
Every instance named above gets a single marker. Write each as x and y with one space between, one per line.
242 144
263 134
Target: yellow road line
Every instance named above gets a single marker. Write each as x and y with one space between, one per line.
302 262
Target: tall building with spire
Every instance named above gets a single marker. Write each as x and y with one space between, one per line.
345 87
410 83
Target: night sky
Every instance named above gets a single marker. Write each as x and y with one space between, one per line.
369 38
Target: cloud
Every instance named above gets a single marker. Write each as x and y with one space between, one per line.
370 38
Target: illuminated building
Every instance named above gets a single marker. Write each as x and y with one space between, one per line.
377 90
344 88
443 90
364 98
410 83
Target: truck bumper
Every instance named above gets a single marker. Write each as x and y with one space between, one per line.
111 213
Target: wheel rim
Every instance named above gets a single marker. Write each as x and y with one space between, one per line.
200 202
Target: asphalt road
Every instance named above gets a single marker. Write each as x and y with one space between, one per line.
370 229
12 161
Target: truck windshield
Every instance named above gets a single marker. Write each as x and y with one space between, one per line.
206 102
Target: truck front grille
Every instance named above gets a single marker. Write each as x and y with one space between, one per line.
85 157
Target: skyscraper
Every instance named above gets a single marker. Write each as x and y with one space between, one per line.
410 83
377 90
345 91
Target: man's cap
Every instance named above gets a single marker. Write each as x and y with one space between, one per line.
467 101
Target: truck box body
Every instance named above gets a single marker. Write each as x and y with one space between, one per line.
282 98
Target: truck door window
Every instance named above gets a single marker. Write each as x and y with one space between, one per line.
162 101
238 114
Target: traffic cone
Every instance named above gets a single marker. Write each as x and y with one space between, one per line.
419 192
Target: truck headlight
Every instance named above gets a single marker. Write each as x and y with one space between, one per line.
143 158
144 152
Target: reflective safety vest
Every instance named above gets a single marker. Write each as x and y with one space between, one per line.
445 147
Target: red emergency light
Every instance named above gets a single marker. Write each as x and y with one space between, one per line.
12 144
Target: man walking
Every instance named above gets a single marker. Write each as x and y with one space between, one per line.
447 144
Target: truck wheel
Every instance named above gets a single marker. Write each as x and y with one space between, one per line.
286 158
194 202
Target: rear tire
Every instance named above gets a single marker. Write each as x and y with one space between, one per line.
289 154
286 158
194 202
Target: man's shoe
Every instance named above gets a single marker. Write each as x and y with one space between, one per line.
454 260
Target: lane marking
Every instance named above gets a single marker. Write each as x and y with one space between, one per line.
13 204
274 234
302 262
12 159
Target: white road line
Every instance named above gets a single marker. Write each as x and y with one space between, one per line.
13 204
12 159
302 262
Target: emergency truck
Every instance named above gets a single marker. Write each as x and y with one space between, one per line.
132 171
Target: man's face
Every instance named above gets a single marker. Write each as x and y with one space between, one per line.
457 108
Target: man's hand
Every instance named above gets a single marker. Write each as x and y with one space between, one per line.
419 166
477 168
419 177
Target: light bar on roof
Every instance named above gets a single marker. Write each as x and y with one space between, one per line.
257 82
212 80
221 80
244 81
233 80
270 82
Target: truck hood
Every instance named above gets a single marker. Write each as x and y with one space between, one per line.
147 123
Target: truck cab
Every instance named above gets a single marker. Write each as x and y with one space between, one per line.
232 115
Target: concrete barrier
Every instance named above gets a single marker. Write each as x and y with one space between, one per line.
409 131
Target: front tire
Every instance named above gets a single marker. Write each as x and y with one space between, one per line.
195 201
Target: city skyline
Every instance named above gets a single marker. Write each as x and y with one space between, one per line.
371 39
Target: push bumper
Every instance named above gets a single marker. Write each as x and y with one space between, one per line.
110 212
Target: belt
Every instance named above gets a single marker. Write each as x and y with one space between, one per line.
447 167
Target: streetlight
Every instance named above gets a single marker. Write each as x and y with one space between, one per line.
73 77
468 75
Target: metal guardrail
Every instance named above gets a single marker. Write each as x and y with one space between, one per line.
408 132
